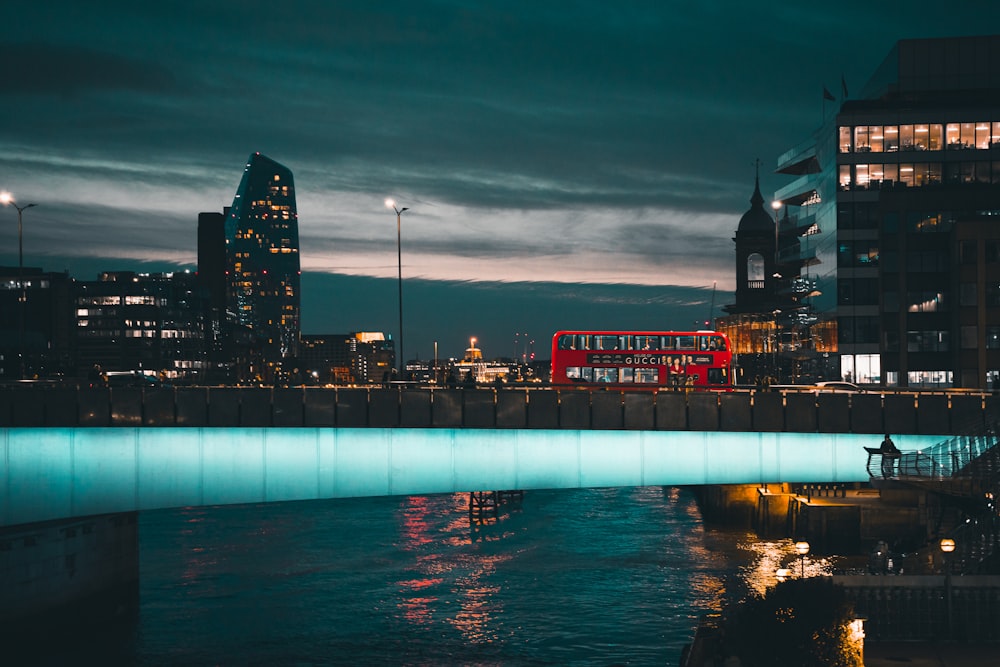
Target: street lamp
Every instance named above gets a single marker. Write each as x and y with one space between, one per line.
947 546
391 203
802 548
7 198
776 205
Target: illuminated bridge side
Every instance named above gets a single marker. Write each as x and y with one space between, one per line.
59 473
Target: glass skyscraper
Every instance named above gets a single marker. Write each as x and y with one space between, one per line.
262 260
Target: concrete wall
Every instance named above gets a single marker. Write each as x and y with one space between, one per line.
73 572
738 411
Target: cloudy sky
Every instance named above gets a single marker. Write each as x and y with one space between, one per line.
565 164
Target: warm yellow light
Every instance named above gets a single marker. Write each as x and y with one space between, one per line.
390 203
947 545
776 204
6 198
802 548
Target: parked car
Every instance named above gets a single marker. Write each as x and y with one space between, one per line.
838 386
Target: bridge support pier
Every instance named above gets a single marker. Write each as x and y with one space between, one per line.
71 573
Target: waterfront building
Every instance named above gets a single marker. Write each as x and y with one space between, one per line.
899 193
36 325
147 322
262 262
361 357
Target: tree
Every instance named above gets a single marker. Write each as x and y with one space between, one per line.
802 622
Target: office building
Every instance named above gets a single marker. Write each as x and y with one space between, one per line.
262 262
911 170
36 324
146 322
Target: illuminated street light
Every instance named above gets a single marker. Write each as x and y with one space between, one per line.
391 203
947 546
7 198
802 548
776 205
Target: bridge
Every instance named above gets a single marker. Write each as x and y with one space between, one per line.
78 464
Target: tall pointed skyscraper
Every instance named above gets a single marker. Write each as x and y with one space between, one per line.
262 259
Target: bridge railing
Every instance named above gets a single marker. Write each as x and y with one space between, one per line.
508 407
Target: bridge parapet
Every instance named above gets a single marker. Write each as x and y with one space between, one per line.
542 408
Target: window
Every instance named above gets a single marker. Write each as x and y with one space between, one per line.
953 136
605 375
936 135
927 341
844 180
992 338
967 252
891 138
906 138
926 302
968 295
685 342
647 342
982 135
876 138
755 271
647 375
845 139
921 137
969 341
861 142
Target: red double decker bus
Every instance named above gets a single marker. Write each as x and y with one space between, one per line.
643 360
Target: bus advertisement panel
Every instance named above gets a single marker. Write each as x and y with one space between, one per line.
642 360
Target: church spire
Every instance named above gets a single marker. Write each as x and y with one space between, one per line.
756 199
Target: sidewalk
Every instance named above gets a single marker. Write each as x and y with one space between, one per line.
931 654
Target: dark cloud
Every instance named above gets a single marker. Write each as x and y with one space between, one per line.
66 70
522 133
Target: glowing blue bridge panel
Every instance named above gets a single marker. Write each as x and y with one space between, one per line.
52 473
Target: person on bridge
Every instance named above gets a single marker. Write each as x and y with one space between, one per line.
889 455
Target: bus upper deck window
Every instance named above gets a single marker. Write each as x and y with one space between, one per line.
647 342
605 342
566 342
668 343
685 342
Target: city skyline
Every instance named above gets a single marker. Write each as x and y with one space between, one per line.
561 170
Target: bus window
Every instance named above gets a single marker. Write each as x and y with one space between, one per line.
717 343
605 375
647 343
685 342
626 342
605 342
626 374
566 342
573 373
647 375
703 343
668 343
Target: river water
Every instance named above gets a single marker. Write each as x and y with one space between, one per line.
580 577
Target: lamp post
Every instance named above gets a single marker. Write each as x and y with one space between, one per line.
802 548
7 198
391 203
776 205
947 546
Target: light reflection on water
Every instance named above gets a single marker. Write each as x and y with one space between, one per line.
589 576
